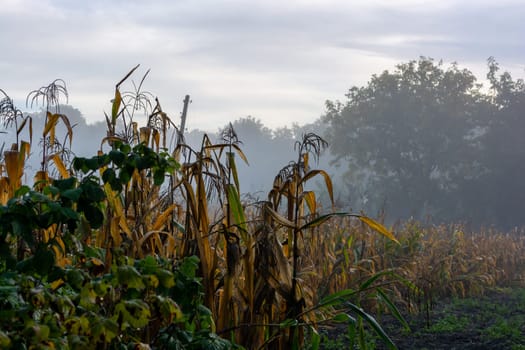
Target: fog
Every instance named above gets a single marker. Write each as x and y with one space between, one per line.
425 140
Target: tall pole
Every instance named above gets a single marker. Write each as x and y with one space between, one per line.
184 114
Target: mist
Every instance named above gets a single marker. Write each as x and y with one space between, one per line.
423 141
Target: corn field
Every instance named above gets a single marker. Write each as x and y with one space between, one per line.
272 272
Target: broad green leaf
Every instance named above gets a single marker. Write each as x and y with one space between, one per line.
88 296
5 341
315 339
373 323
343 318
393 309
233 168
336 298
129 276
288 323
77 325
94 215
166 278
134 313
236 208
366 284
75 278
104 330
151 281
73 194
169 309
37 332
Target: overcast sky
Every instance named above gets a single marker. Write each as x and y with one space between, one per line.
278 61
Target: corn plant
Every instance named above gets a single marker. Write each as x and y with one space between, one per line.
13 159
52 149
271 271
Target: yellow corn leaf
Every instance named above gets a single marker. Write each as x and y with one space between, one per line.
110 140
41 179
25 149
163 218
115 231
327 180
169 247
305 160
14 166
125 227
116 106
378 227
69 128
56 284
156 139
4 190
59 249
309 198
49 128
144 135
135 128
60 166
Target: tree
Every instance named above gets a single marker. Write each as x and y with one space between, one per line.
502 189
408 138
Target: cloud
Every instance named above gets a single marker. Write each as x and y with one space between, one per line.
276 60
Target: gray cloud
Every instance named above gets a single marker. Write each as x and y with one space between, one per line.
275 60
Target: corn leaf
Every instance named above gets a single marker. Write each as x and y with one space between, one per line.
60 166
328 181
373 323
49 128
320 220
236 208
315 340
116 106
309 198
377 227
69 128
393 309
279 218
336 298
163 218
233 168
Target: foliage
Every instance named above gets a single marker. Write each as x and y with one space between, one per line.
150 244
61 293
79 306
425 140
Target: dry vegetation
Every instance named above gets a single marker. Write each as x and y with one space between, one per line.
271 271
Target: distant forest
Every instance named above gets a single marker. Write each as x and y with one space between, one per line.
423 141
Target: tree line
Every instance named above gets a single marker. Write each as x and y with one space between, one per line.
425 140
429 141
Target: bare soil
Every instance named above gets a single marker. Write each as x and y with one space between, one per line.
493 321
